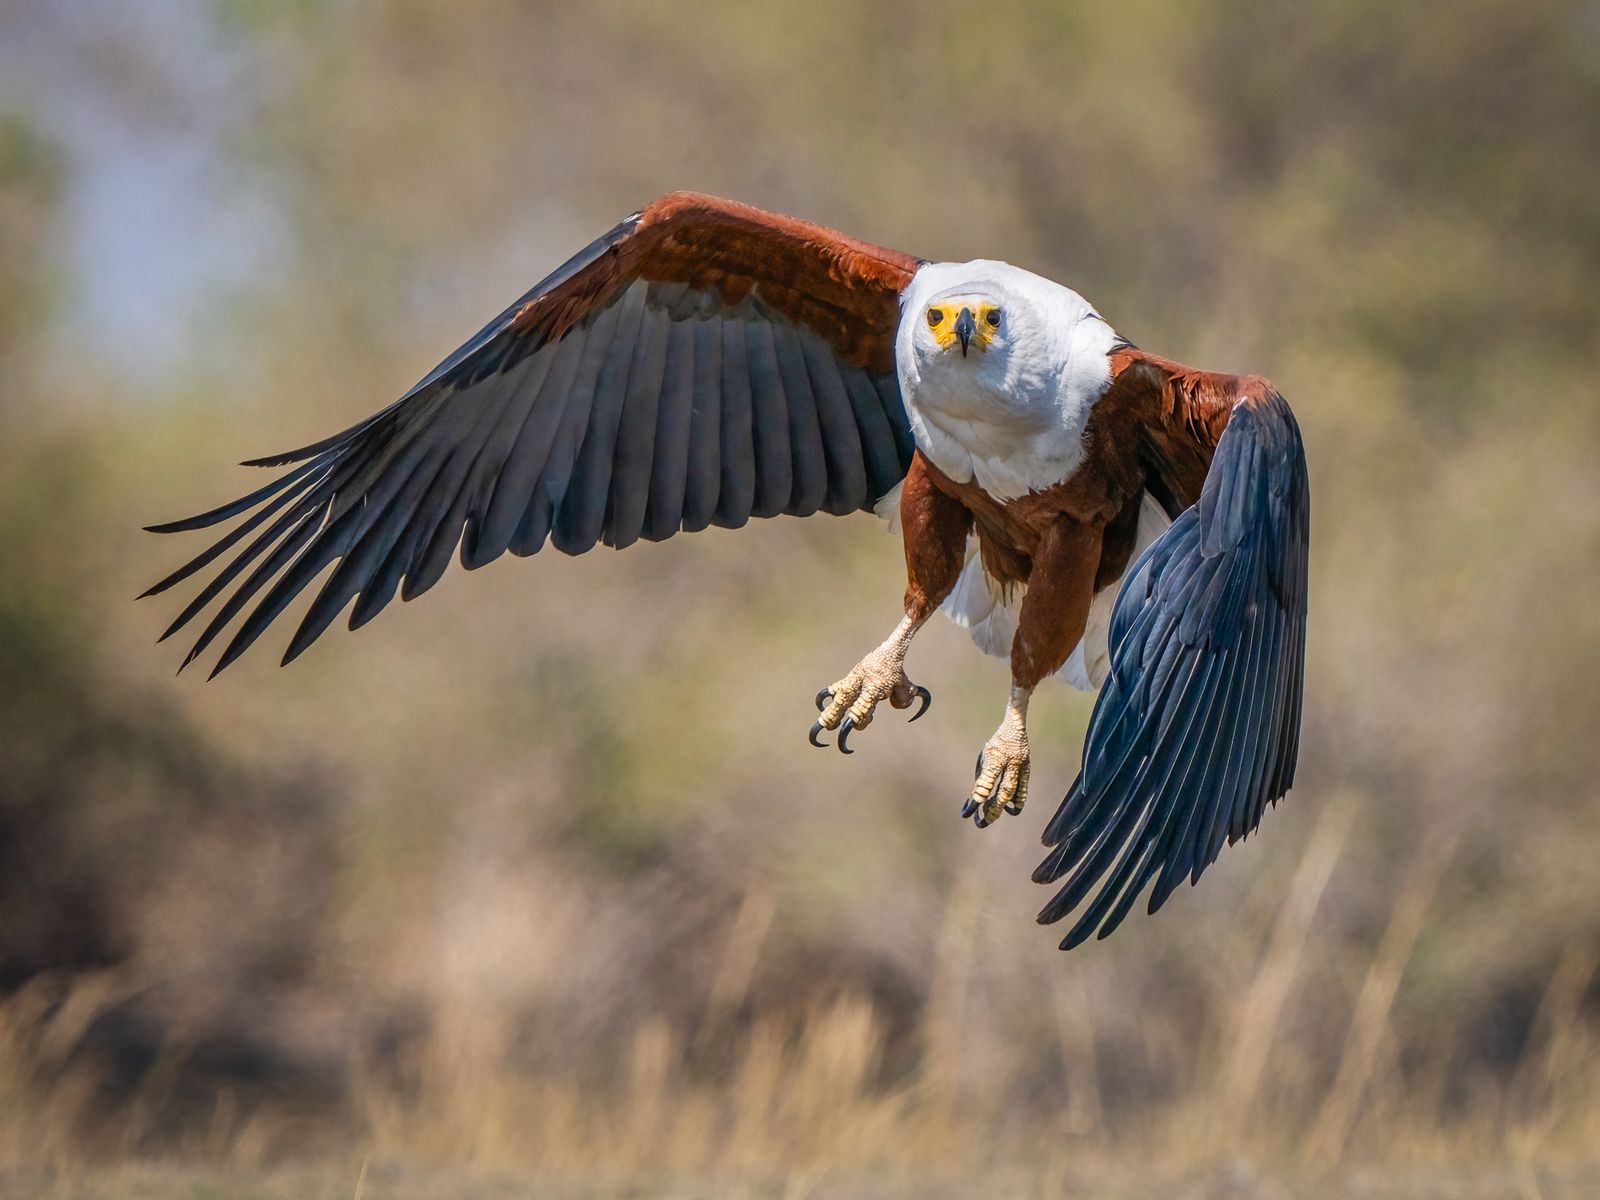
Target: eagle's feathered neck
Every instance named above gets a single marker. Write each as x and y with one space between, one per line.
1012 416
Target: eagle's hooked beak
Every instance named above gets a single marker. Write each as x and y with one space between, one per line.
966 326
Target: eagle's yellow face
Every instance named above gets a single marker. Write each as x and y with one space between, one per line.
965 323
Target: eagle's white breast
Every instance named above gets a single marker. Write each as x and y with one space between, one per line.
1012 415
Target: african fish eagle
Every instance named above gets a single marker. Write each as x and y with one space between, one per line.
1083 507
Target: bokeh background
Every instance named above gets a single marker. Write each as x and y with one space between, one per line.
537 882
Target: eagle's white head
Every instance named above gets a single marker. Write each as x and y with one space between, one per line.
999 368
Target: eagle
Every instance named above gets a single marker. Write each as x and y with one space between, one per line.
1085 508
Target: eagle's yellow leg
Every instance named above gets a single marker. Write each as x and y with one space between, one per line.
934 525
1003 766
848 704
1054 613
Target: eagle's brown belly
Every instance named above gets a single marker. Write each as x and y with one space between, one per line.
1009 531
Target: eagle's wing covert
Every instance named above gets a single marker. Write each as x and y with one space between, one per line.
702 363
1197 727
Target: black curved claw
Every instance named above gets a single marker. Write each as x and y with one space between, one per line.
823 698
980 821
970 807
978 770
816 728
844 732
926 697
1012 807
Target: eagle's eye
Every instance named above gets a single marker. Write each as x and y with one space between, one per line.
993 317
935 317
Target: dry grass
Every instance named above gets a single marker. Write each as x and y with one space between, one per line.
827 1100
398 1181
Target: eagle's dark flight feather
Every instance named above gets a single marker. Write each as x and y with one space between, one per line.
702 363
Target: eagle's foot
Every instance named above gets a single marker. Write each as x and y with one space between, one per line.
1002 773
848 704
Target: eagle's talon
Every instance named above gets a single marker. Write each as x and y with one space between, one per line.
1001 783
970 807
924 695
848 704
816 728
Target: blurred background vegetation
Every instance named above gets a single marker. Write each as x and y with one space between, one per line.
539 877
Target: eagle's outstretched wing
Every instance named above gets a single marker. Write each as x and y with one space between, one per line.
1198 725
702 363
